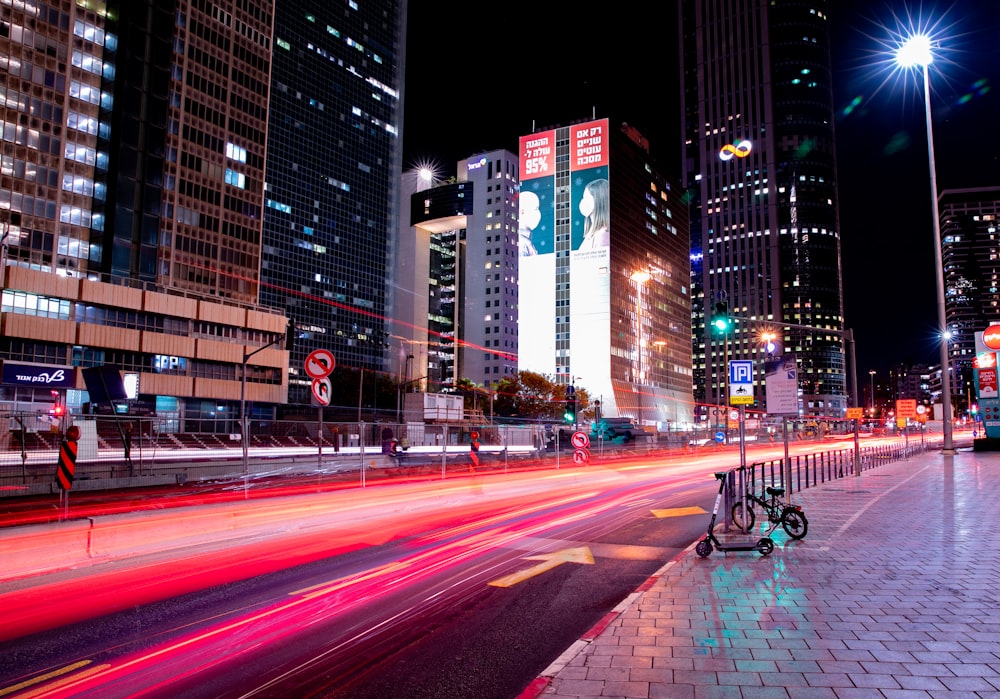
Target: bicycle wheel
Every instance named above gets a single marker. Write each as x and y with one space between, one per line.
736 515
795 523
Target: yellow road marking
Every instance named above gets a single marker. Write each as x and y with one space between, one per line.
679 512
548 562
50 675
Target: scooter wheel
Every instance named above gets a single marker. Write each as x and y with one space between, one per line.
765 546
704 548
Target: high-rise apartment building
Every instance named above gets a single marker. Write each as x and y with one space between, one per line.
331 196
456 281
760 167
489 320
603 271
970 245
133 154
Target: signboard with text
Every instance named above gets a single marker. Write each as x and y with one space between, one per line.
781 385
741 382
984 370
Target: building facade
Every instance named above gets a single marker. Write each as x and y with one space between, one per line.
760 170
970 245
489 318
456 281
130 200
332 187
603 272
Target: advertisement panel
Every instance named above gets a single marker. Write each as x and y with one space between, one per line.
781 385
590 259
577 304
984 370
536 225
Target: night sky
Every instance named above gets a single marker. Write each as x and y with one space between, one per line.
576 62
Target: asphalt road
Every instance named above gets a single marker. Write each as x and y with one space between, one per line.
468 589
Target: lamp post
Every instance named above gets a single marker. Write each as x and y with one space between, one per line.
915 51
871 373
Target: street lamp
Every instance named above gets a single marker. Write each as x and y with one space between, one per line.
915 51
871 373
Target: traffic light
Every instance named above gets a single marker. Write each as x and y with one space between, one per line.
570 415
58 408
721 320
290 335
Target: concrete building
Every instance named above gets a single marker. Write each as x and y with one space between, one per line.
760 167
456 281
603 272
131 200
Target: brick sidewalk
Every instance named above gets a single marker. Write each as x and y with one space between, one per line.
894 592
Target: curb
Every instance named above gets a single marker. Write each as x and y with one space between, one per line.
540 683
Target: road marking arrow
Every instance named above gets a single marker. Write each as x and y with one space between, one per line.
679 512
549 561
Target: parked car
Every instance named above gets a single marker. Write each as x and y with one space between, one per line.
609 428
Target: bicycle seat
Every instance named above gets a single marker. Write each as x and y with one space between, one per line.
774 491
721 476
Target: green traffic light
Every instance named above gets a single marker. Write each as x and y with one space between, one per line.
721 324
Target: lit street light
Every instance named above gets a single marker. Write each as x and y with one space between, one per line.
915 51
871 373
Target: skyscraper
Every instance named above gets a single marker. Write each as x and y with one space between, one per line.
970 231
603 273
760 168
132 175
456 281
331 197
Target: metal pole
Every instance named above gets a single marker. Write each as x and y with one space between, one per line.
871 373
361 391
788 461
244 437
947 446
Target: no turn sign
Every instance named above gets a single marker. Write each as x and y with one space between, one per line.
319 364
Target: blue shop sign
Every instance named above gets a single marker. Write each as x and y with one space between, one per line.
41 376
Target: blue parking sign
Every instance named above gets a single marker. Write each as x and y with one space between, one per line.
741 371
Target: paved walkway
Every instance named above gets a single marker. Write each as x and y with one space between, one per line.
894 592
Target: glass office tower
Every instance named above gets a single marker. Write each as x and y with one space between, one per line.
760 168
331 187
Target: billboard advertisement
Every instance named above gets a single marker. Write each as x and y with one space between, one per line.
984 369
573 241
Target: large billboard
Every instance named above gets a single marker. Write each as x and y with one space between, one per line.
571 240
984 369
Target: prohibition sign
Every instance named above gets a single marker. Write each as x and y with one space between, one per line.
321 390
580 440
581 456
320 363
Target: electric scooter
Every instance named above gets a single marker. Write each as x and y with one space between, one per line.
764 545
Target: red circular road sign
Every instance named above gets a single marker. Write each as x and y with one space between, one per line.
580 440
321 390
581 456
991 337
320 363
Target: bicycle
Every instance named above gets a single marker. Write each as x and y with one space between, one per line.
790 517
